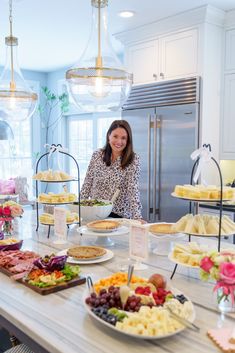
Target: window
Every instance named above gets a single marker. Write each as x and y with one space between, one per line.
86 133
16 156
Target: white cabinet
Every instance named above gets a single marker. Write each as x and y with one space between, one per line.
230 50
228 119
168 57
143 61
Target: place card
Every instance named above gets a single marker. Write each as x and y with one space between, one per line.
60 225
138 243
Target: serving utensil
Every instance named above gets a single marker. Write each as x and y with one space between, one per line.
125 290
90 284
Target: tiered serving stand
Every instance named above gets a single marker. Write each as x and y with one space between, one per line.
59 181
191 201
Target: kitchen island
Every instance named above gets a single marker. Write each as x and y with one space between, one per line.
59 323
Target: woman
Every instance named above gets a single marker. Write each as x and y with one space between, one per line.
114 171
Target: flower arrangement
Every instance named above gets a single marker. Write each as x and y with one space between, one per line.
220 266
8 211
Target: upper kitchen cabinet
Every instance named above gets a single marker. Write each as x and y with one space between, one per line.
143 61
228 121
230 50
168 57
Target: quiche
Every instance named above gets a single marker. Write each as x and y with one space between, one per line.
162 228
86 252
103 225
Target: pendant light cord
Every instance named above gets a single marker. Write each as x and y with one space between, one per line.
99 57
12 83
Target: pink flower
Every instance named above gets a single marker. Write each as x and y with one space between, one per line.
16 211
227 272
206 264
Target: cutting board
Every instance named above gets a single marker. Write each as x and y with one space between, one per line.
48 290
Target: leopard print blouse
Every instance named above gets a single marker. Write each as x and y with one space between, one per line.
102 181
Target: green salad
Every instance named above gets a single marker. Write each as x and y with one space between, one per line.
93 202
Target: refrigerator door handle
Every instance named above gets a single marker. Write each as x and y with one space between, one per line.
154 167
159 124
148 167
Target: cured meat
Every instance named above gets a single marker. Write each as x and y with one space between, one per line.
18 262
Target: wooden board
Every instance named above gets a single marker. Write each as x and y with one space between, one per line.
53 289
48 290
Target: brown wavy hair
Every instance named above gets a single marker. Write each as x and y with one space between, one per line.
128 153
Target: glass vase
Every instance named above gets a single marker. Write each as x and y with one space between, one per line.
7 228
224 300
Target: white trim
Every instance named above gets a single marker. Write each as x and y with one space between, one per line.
230 19
182 21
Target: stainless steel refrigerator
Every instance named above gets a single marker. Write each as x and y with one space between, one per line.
164 118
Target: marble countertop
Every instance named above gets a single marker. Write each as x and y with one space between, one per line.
59 323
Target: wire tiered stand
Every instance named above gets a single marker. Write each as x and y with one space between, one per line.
59 149
220 201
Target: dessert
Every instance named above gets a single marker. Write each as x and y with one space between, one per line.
103 225
86 252
162 228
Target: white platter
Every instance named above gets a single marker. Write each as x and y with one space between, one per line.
197 200
171 258
88 308
119 231
109 255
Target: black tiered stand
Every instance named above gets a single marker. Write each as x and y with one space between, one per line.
220 201
60 181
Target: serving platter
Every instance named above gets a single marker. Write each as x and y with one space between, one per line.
103 239
107 256
55 203
12 246
197 199
173 259
51 289
143 337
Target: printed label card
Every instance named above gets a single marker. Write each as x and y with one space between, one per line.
138 244
60 225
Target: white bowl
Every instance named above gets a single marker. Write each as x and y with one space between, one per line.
92 213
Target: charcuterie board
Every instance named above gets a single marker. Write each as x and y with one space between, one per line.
48 290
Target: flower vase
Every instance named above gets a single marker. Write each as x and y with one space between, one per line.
225 299
7 228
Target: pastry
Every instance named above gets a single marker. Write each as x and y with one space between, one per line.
86 252
103 225
162 228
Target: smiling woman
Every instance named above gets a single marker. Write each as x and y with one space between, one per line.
113 172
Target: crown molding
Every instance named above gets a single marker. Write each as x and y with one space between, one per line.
197 16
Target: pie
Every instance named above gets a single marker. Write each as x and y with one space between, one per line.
162 228
86 252
103 225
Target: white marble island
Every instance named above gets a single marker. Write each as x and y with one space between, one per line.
59 323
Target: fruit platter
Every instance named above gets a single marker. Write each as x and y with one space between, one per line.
145 309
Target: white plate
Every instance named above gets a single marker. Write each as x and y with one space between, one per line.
171 258
119 231
88 308
109 255
197 200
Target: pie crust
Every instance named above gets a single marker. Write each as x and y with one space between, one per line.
103 225
86 252
160 228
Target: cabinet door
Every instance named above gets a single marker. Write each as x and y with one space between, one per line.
142 61
230 50
228 122
179 54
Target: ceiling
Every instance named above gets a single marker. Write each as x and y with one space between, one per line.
53 33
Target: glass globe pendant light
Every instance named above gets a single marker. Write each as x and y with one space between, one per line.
17 101
98 82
